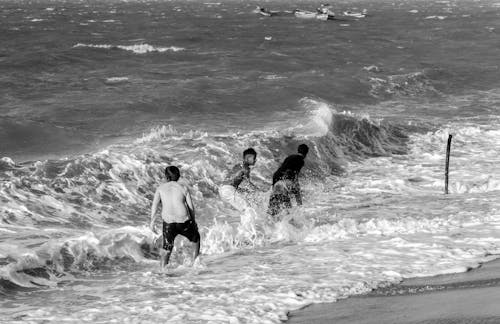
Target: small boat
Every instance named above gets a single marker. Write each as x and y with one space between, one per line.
263 11
312 15
286 13
324 9
356 14
323 17
305 14
272 13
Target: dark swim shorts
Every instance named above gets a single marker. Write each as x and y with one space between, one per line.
278 202
188 229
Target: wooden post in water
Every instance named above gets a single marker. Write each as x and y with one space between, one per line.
447 165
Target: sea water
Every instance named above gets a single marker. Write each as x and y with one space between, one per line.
97 97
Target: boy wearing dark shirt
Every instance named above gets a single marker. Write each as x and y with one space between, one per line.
286 182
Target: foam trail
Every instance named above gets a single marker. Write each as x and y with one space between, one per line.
137 48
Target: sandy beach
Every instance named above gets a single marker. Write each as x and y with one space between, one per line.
470 297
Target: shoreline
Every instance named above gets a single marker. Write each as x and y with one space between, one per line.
468 297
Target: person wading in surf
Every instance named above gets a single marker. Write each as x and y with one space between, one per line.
286 182
230 191
177 214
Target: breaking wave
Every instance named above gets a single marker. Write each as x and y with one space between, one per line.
92 193
94 207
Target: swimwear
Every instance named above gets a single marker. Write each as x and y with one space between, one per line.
277 202
188 229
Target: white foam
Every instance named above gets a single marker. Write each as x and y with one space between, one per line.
320 115
473 156
409 84
371 68
168 132
259 287
384 220
137 48
115 80
273 77
7 160
436 17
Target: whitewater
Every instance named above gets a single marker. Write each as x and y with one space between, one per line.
82 225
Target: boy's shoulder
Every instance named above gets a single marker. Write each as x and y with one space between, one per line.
174 185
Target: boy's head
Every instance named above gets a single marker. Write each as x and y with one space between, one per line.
249 156
303 149
172 173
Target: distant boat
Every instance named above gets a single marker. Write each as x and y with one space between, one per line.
354 14
270 13
323 16
305 14
312 15
263 11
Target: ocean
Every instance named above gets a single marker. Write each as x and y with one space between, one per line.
98 97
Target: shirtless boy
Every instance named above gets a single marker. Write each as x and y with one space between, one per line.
177 214
230 191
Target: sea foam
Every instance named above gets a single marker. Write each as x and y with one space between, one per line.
383 220
137 48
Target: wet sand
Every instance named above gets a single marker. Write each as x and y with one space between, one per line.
470 297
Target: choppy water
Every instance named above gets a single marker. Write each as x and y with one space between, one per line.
98 97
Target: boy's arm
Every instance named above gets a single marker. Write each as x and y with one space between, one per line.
156 201
247 176
190 206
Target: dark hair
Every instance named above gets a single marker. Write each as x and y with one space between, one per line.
303 149
249 151
172 173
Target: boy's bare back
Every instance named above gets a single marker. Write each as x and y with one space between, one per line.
175 200
177 213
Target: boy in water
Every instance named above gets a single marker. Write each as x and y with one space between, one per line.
286 182
230 191
280 196
177 214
